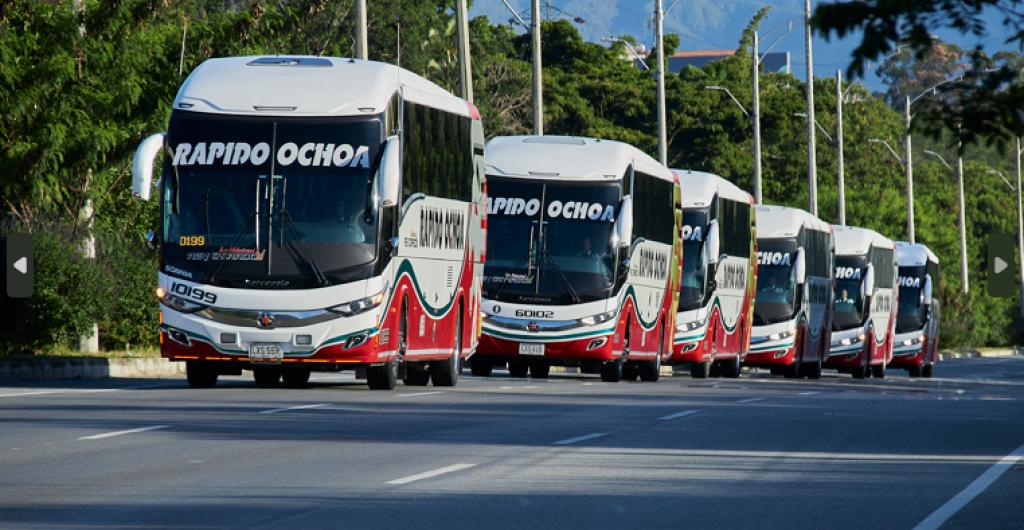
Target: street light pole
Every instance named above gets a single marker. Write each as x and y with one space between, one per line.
757 120
812 162
465 68
659 20
538 86
1020 233
908 170
361 46
962 220
839 148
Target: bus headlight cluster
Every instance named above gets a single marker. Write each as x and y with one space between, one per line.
359 306
689 326
916 340
852 340
597 319
178 303
781 335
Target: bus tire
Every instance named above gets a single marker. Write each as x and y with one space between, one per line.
416 374
266 377
914 370
539 369
382 376
878 371
630 371
700 370
926 370
446 373
792 371
611 371
518 368
730 369
813 370
481 366
650 371
296 378
200 375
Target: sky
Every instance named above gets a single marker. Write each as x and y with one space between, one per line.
717 24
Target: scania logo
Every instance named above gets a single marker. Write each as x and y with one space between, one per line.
265 321
532 326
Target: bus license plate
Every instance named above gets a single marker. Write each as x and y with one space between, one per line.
526 348
265 353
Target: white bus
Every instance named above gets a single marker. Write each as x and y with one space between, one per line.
317 214
716 293
583 256
864 318
793 305
917 321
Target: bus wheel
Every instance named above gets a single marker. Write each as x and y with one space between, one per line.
730 369
481 366
927 370
518 368
200 375
296 378
539 369
650 371
416 374
382 376
878 371
700 370
630 371
813 370
266 377
914 371
446 373
611 371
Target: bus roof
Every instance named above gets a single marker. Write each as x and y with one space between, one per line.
292 85
698 188
783 221
855 241
914 254
568 158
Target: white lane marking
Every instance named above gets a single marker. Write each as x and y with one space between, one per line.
811 455
589 384
39 393
585 437
297 407
682 414
807 393
419 394
119 433
750 400
83 390
430 474
944 512
513 387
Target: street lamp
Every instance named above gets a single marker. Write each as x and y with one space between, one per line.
756 58
626 43
901 161
818 123
963 222
727 91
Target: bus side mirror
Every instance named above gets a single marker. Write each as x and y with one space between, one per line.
390 172
868 286
711 243
926 291
142 165
624 222
800 267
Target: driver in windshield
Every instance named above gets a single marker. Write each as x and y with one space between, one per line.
348 230
586 249
844 299
774 285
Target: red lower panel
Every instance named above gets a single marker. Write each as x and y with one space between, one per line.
574 350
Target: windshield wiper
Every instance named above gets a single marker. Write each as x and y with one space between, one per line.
290 223
565 281
518 263
244 231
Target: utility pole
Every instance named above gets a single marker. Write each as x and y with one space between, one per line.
839 148
465 68
361 46
659 22
909 171
757 118
538 86
89 343
1020 233
812 159
963 221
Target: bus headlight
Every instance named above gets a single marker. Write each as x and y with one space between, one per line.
852 340
781 335
597 319
177 303
916 340
359 306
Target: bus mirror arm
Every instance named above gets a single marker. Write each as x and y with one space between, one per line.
152 240
711 243
624 222
390 172
142 165
868 287
800 267
393 246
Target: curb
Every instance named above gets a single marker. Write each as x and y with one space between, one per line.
51 369
975 354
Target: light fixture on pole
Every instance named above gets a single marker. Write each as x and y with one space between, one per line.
962 219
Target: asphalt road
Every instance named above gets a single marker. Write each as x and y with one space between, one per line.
569 452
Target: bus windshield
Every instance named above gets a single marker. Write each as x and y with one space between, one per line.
269 203
776 285
849 305
912 309
559 253
691 288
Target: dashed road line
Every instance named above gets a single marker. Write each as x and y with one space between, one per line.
682 414
297 407
430 474
810 393
751 400
119 433
414 394
585 437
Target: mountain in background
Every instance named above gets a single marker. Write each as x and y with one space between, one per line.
717 24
